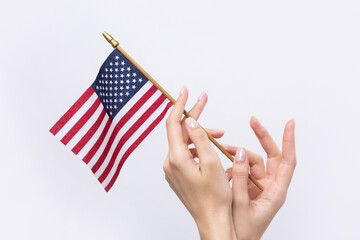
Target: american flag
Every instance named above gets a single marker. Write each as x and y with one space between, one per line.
112 117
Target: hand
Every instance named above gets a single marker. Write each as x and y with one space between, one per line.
201 186
253 209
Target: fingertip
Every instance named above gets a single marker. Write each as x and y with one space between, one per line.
182 91
215 133
215 130
183 95
203 97
254 122
240 156
178 109
291 123
199 106
227 146
290 128
191 123
218 133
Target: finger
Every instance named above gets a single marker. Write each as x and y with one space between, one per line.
265 139
195 112
174 131
240 172
232 150
268 144
207 155
257 166
215 133
229 174
288 162
199 106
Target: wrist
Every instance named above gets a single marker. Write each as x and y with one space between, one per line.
216 225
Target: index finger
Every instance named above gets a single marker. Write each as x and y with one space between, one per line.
173 122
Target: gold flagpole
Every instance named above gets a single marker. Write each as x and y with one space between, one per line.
115 44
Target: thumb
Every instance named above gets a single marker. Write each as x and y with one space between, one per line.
240 173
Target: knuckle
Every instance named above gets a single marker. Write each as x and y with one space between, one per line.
256 160
199 135
168 122
166 168
238 200
239 178
240 171
291 162
174 164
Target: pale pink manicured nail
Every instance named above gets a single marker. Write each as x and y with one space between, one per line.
182 91
257 120
218 130
192 123
240 155
292 122
201 96
227 146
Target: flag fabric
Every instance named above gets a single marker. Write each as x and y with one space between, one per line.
112 117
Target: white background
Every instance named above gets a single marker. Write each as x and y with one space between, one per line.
273 59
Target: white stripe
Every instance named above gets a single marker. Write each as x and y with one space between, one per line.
125 128
118 116
133 138
65 129
80 134
94 138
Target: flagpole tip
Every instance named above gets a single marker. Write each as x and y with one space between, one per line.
110 39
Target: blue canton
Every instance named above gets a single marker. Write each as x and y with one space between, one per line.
118 81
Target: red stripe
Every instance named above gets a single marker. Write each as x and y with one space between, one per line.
89 133
70 113
129 133
98 143
76 128
135 144
120 124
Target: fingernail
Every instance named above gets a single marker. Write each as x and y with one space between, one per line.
257 120
218 130
293 122
201 96
240 155
226 145
182 91
192 123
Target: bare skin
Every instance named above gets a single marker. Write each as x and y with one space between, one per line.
222 212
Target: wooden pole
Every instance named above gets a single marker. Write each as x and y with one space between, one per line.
115 44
